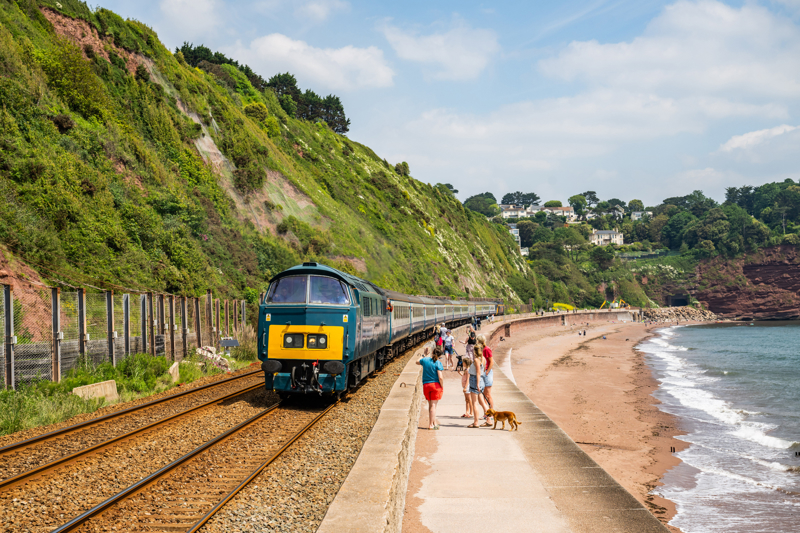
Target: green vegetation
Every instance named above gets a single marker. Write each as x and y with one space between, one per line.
520 198
485 204
44 402
122 164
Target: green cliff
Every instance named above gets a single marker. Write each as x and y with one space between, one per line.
122 165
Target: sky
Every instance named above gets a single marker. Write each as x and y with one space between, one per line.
633 99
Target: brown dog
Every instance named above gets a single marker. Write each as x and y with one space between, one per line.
502 416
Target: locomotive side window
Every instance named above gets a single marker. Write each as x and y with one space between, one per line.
325 290
288 290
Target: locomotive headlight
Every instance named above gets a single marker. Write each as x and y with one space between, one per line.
318 342
293 340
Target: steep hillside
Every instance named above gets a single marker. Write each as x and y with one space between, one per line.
121 164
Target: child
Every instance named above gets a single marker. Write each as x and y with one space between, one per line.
465 386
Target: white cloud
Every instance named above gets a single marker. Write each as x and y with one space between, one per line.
461 53
640 107
191 18
343 68
703 47
319 10
753 138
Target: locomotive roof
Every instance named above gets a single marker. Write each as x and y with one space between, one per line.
362 284
317 268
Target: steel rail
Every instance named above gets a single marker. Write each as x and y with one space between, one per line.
258 470
22 476
81 425
155 476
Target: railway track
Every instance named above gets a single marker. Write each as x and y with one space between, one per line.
35 457
186 493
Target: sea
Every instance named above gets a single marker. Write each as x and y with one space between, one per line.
735 389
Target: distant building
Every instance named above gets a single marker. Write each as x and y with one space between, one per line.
513 211
605 237
524 251
512 229
517 211
639 215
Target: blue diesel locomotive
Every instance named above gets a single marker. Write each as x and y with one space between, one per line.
323 331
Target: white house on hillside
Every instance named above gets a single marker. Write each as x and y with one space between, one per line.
639 215
516 211
604 237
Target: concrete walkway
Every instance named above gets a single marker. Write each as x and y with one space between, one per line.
535 479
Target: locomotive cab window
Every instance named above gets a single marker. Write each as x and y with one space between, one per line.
325 290
288 290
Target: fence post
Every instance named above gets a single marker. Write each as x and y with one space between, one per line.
152 322
197 322
112 334
126 322
210 316
218 330
56 372
82 322
244 314
171 299
143 320
184 327
8 302
227 319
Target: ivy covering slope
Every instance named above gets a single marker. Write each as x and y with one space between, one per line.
122 164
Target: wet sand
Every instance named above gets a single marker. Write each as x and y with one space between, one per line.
599 392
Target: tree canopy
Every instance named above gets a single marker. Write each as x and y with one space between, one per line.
520 198
484 203
553 203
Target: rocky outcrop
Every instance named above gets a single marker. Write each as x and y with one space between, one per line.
761 285
674 314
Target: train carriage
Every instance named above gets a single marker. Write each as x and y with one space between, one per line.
323 331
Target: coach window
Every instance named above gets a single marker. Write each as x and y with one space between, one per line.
288 290
325 290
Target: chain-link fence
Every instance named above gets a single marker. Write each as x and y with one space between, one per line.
57 331
137 331
70 331
33 315
96 345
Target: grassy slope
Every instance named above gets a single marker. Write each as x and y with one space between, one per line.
138 194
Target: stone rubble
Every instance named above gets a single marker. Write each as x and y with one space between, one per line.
683 314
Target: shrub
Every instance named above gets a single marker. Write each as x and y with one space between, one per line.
64 123
72 78
257 111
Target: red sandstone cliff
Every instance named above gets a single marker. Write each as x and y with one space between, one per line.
760 285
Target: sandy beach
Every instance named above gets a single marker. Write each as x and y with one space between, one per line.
599 392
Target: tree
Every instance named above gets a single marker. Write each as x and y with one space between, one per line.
616 201
672 232
591 197
403 170
285 84
446 188
526 232
553 203
603 256
288 104
520 198
578 203
636 205
485 204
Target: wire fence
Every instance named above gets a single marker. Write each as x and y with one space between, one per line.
45 332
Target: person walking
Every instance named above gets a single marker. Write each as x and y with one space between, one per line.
488 373
432 383
476 386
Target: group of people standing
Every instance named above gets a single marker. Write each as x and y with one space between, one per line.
475 367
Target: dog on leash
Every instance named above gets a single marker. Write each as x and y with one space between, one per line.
502 417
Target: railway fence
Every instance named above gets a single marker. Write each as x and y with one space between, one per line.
46 331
